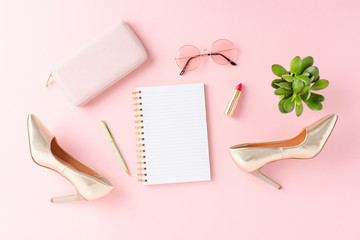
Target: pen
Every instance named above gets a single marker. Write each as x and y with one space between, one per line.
114 145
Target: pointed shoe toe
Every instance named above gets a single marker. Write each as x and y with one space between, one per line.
46 152
251 157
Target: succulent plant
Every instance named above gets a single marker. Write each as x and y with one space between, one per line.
296 86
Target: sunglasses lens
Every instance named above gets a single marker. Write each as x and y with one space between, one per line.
222 50
188 56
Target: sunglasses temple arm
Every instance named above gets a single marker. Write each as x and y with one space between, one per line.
187 62
231 62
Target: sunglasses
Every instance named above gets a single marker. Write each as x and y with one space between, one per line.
222 52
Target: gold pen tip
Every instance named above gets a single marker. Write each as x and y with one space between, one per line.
127 171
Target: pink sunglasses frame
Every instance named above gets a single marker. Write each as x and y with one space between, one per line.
205 53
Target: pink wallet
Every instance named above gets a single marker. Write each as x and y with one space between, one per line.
99 64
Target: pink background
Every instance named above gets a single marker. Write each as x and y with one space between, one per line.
320 197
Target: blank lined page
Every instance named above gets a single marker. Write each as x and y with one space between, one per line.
175 134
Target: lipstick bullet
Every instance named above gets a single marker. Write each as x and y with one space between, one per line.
229 111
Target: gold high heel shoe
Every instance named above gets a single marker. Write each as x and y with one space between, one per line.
251 157
46 152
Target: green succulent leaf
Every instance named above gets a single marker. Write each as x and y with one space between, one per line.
303 97
281 91
308 95
285 85
305 63
297 86
275 83
298 106
278 70
314 105
295 65
289 105
320 84
281 105
313 70
305 90
317 97
288 78
305 79
299 109
306 74
313 79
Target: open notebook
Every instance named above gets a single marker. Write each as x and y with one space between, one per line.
172 134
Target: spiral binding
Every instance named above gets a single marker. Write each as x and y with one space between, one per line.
140 139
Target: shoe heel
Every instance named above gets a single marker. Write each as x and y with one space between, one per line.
75 197
258 174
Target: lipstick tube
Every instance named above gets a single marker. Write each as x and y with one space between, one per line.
234 100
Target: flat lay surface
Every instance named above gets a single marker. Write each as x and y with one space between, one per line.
320 196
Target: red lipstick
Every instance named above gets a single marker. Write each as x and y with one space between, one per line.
234 100
239 87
